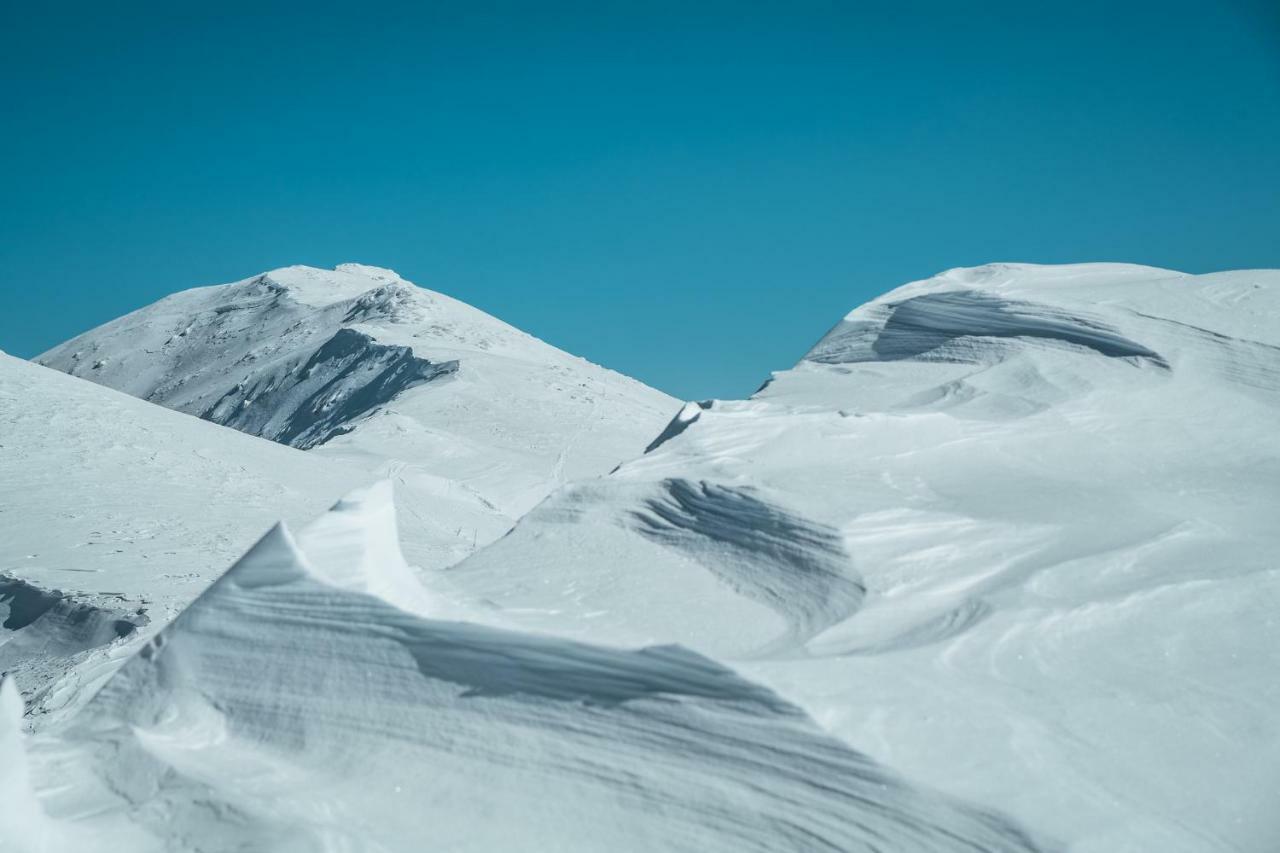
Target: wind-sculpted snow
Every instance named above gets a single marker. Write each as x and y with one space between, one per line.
115 514
24 605
346 378
1238 360
1010 534
282 711
957 326
687 548
1057 487
796 567
681 422
45 631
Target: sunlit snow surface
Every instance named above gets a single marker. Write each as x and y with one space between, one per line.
115 514
476 420
992 568
1013 531
312 699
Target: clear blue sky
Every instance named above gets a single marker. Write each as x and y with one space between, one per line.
690 198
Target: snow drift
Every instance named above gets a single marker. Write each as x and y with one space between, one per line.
114 515
1026 518
992 567
296 705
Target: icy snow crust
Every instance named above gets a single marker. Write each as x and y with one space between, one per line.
992 568
477 420
1011 531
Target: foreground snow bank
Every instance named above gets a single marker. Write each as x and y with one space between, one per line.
310 700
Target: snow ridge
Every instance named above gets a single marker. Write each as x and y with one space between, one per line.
310 398
1050 495
962 326
281 705
1008 531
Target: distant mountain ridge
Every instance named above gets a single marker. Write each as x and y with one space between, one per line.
360 364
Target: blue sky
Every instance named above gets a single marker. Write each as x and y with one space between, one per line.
690 197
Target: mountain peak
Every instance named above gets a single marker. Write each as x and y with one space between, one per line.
318 287
383 373
369 271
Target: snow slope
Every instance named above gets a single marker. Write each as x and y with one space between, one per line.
115 513
1010 530
312 699
477 420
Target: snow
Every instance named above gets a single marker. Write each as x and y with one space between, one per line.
290 708
991 568
1057 487
115 510
475 420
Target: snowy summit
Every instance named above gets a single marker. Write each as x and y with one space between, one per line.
478 420
991 568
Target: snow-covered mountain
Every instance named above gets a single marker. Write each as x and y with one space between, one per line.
312 699
1011 530
992 568
476 419
115 514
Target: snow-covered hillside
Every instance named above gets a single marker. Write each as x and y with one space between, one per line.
992 568
115 514
1011 530
312 699
477 420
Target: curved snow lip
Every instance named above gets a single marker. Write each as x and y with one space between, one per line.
941 326
685 418
652 748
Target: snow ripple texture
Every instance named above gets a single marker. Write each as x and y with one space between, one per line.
282 711
944 326
797 568
1010 530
